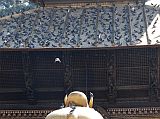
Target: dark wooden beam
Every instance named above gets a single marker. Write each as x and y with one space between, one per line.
82 1
69 2
153 77
68 84
30 92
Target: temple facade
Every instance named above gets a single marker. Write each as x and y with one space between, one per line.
109 48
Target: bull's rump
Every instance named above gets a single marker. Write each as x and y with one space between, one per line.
77 113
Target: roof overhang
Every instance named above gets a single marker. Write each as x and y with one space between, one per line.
80 2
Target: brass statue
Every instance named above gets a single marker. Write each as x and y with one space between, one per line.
76 107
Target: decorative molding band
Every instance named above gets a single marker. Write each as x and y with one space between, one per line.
145 112
6 114
84 4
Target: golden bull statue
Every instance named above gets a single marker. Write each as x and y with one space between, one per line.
76 107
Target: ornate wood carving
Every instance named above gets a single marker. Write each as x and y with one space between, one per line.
134 113
153 80
140 87
30 93
111 81
67 74
110 113
23 114
67 79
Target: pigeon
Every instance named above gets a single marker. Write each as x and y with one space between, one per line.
157 41
153 32
57 60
